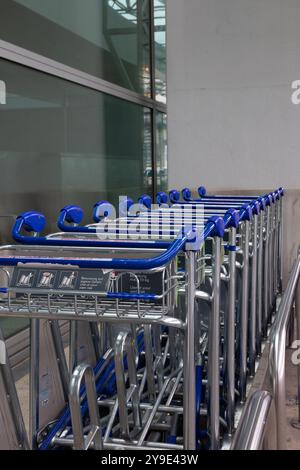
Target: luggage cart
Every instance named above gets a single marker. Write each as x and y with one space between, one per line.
189 436
275 214
270 223
76 229
272 236
71 216
249 233
102 209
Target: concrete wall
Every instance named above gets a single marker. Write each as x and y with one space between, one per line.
232 124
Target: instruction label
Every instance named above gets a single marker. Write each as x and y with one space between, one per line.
93 280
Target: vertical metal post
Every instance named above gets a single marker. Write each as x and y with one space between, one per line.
214 351
271 259
266 273
276 254
252 324
230 333
60 357
149 363
153 95
281 245
96 339
73 356
34 379
244 312
189 398
259 328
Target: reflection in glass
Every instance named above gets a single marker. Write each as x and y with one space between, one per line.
162 152
61 143
160 49
105 38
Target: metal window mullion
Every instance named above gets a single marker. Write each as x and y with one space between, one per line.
43 64
153 96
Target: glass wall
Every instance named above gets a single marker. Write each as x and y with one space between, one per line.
82 108
160 49
105 38
61 143
162 152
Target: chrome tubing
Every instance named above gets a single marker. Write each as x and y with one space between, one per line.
253 308
266 274
34 395
84 371
214 351
278 352
259 328
251 431
230 333
125 344
189 413
244 313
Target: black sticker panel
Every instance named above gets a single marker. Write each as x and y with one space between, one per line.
151 283
60 279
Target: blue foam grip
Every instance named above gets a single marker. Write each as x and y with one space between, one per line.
262 202
277 195
232 218
72 214
246 213
282 191
218 226
255 207
161 198
174 196
32 221
124 207
268 200
146 201
102 210
202 191
186 194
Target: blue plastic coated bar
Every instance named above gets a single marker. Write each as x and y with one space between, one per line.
214 227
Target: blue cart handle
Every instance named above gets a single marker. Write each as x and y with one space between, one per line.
70 217
246 213
162 198
213 228
34 223
186 194
232 218
174 196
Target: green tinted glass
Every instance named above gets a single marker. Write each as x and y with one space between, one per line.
105 38
61 143
162 152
